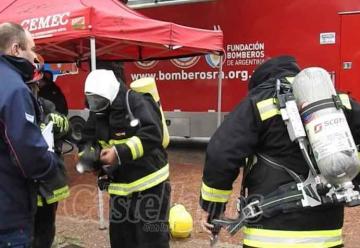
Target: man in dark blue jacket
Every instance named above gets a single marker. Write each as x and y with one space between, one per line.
24 155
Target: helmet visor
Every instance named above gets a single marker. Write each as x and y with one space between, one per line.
97 103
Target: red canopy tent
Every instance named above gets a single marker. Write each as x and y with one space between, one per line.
76 30
62 30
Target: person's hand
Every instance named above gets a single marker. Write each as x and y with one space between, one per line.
108 156
206 226
209 228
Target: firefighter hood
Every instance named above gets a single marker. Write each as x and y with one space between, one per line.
274 68
101 88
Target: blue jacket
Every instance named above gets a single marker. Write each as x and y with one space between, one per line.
24 156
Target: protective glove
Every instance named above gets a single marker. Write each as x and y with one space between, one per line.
103 182
60 124
89 159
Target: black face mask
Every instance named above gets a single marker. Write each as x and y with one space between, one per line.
97 103
21 65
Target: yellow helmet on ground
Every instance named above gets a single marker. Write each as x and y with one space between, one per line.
180 221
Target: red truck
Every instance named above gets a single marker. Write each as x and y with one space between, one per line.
317 33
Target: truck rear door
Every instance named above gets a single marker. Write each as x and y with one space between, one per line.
350 54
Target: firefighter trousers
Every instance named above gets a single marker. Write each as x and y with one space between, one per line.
44 230
140 220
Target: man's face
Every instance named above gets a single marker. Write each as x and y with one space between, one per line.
27 52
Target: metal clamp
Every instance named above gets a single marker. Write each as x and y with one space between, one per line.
252 210
337 102
309 201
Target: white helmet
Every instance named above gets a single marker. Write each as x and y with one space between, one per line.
103 83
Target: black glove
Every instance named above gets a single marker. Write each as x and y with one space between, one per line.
110 170
103 182
89 159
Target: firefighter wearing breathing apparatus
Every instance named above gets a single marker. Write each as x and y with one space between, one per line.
124 134
277 207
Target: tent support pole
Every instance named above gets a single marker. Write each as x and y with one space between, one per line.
100 193
101 210
220 77
93 53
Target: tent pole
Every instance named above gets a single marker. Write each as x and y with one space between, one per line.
93 53
100 193
219 91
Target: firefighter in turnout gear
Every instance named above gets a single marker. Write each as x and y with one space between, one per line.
127 126
255 137
44 224
47 202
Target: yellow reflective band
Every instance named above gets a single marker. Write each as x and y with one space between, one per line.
104 144
134 144
267 108
141 184
281 233
58 195
113 142
214 195
290 79
39 201
252 243
344 98
292 239
136 148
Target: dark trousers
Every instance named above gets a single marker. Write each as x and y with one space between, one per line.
44 230
17 238
141 219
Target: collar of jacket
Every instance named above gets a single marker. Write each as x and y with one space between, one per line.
270 84
274 68
22 66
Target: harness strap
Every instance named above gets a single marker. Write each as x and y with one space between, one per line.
286 198
319 105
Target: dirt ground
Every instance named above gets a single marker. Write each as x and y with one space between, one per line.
78 221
